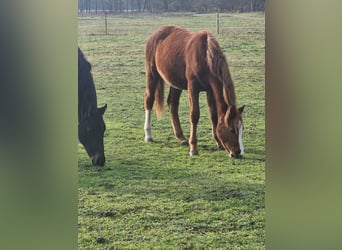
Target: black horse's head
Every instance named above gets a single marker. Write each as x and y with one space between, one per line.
90 134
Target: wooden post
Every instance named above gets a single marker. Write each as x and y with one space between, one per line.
217 23
106 22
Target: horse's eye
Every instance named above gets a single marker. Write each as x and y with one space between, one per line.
232 130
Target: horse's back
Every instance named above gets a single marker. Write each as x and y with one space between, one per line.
165 54
167 44
178 55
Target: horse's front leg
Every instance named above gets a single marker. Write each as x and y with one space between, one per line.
173 103
213 116
194 117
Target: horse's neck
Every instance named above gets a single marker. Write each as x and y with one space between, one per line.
222 102
87 103
86 110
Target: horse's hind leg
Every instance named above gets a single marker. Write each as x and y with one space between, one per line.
151 84
173 103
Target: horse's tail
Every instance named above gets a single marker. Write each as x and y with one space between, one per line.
159 98
219 67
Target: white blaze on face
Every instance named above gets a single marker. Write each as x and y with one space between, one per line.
240 139
147 126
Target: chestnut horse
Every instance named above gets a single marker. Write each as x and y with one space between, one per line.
192 62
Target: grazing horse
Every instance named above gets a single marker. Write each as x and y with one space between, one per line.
91 126
192 62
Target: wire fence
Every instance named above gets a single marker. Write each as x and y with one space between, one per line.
220 20
217 23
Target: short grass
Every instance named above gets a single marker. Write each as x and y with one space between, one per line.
155 196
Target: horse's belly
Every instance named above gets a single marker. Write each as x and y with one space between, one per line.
174 74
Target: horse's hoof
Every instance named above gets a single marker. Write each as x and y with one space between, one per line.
192 153
148 140
185 143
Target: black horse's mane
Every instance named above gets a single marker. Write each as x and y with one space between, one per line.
87 100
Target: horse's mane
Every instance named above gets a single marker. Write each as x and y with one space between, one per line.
87 100
219 67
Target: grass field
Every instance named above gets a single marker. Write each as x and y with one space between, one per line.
155 196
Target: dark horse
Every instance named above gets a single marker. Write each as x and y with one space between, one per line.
193 62
91 126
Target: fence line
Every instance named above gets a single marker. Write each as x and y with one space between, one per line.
219 18
245 17
235 16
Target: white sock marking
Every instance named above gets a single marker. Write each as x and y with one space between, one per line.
240 140
147 125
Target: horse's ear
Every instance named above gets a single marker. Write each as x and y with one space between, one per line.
241 109
232 112
102 109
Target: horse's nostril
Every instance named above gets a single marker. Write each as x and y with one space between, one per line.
98 161
237 154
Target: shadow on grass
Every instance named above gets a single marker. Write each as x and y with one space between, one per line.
131 178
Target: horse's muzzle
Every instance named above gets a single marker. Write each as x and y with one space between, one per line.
237 154
98 160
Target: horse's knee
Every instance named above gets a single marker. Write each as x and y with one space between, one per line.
194 117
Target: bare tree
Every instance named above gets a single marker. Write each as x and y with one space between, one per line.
147 5
166 5
139 5
103 7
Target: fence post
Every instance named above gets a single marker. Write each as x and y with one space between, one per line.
106 22
217 23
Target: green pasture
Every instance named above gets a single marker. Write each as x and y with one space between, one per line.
154 195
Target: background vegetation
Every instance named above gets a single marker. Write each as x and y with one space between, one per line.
117 6
155 195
